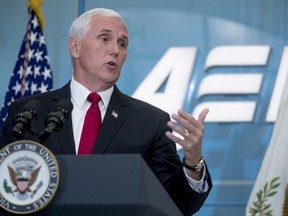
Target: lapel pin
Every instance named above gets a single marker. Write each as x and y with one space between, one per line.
114 114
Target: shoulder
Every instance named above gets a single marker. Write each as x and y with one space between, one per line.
44 98
138 105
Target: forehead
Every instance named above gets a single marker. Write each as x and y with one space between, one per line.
113 24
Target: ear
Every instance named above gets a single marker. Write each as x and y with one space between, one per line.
73 47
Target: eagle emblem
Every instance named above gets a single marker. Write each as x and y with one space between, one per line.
23 174
29 177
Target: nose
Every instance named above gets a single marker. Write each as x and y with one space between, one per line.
114 49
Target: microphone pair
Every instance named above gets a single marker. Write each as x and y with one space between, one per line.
54 121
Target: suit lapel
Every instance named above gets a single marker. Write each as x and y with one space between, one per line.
115 116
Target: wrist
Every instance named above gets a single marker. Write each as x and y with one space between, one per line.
195 168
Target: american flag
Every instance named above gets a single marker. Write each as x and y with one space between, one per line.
32 73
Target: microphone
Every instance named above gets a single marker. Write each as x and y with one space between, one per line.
22 121
55 120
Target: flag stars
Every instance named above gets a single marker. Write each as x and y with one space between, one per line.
38 55
29 71
43 88
17 88
34 22
20 71
12 99
33 88
30 54
41 40
26 86
46 73
33 37
47 58
37 71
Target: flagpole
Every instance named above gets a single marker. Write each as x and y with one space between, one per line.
79 7
76 8
26 53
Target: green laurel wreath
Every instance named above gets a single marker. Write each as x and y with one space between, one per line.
261 207
7 188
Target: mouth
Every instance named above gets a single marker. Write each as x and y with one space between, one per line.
112 64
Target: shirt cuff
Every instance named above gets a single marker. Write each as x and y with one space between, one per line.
200 186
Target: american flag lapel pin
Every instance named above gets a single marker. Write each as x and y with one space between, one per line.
114 114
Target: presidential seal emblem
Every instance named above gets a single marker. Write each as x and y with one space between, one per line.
29 177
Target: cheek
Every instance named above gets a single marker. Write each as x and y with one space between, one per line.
91 56
90 48
123 58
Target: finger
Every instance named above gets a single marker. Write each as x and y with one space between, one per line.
185 115
188 121
203 115
176 128
174 138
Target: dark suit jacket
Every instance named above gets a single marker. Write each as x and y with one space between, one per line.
139 128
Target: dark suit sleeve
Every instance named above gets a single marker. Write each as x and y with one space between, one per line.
168 168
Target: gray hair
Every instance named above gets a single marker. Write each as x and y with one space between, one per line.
81 23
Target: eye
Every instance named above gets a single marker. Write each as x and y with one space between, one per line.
122 44
104 38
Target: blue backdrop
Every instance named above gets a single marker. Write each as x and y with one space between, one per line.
198 47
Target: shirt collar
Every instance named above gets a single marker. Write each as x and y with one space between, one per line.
79 94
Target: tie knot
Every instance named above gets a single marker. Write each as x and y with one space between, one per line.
93 97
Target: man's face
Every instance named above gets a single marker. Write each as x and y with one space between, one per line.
101 53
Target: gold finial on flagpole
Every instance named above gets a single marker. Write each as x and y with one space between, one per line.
36 6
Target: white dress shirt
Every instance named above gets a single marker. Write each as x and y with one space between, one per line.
79 95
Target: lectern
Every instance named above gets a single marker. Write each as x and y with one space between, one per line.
107 185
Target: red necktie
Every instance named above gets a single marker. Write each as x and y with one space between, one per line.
91 126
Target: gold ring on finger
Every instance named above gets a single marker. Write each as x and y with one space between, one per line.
186 135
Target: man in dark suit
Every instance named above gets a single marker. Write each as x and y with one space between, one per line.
98 47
